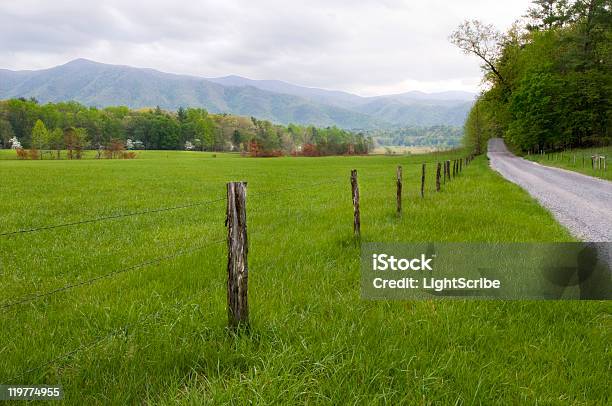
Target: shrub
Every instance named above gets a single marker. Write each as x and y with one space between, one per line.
22 153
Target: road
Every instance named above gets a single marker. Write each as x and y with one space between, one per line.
581 203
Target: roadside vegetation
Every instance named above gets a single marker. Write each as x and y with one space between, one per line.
548 77
589 161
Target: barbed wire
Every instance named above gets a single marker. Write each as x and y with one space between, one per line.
102 338
163 244
111 217
31 298
150 211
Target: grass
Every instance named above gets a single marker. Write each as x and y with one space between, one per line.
578 160
160 330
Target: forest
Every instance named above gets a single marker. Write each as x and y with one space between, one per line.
27 124
548 79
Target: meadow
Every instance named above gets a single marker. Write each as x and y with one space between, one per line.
578 160
156 334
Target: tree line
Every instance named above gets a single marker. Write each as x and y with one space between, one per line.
437 136
548 79
64 125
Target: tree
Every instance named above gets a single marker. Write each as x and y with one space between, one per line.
482 40
6 133
556 87
75 140
56 141
548 14
40 136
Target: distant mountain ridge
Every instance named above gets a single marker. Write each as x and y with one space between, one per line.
101 85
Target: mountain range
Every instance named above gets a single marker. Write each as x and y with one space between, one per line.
98 84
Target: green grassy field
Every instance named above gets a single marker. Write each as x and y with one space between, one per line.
157 334
578 160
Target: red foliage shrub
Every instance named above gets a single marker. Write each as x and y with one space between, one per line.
128 155
310 150
22 153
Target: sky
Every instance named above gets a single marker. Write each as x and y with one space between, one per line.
361 46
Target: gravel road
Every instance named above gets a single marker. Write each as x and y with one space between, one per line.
581 203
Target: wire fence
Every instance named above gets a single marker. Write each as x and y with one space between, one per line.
110 217
13 303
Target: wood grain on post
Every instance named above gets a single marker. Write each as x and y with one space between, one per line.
438 169
356 216
237 252
423 181
399 190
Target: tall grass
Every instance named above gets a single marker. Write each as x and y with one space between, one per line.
157 334
578 160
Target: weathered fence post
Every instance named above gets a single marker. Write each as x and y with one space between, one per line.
460 164
444 172
448 170
399 190
423 181
438 177
356 214
237 252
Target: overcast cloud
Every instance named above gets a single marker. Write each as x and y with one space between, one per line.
362 46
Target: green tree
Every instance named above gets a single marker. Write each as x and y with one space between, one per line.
40 136
56 141
6 133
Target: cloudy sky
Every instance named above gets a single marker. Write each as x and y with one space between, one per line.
362 46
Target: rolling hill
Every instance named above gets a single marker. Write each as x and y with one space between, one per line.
98 84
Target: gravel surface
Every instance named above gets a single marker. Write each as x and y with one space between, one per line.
581 203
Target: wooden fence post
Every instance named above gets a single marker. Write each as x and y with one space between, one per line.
448 170
438 177
460 164
237 252
356 214
423 181
444 172
399 190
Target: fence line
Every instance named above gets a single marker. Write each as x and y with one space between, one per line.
235 244
111 217
156 210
